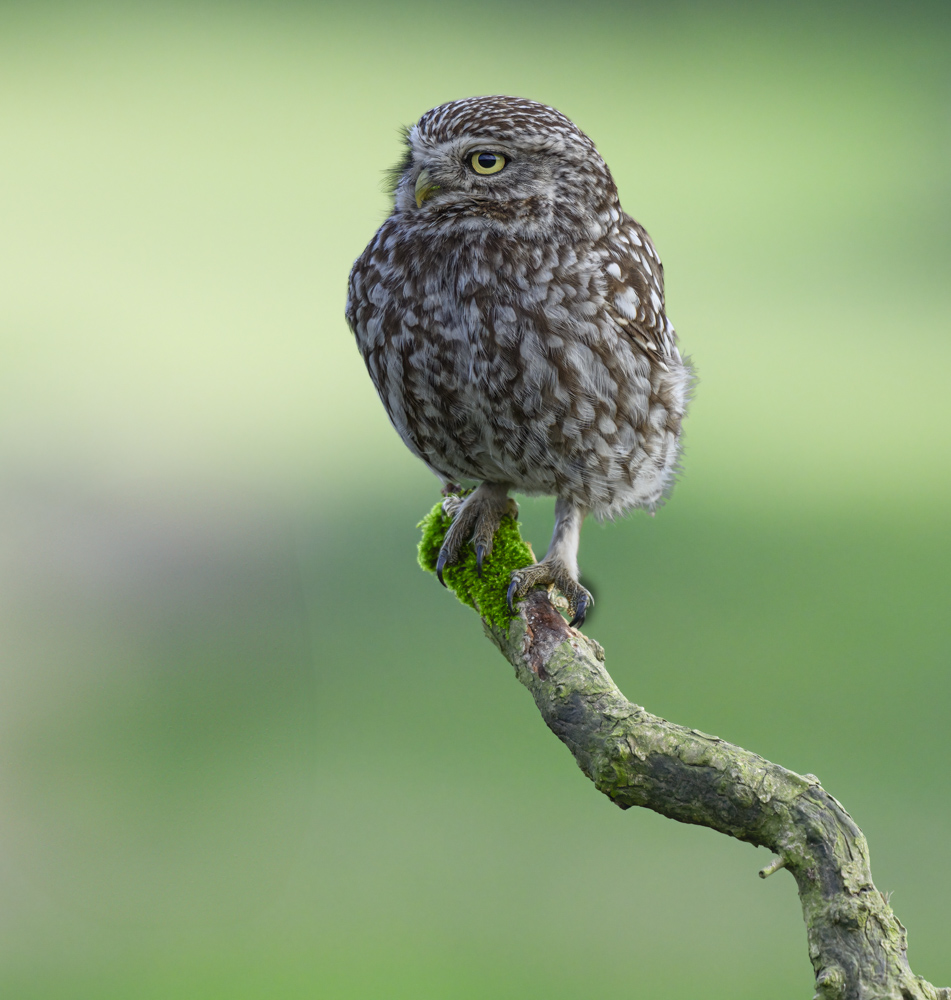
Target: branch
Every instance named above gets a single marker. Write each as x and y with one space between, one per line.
856 943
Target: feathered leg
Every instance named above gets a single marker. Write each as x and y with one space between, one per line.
475 519
559 568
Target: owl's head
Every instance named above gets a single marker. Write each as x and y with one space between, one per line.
505 162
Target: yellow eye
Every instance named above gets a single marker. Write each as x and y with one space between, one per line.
487 163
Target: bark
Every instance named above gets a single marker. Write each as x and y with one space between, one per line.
856 943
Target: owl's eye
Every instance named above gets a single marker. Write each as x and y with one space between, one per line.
487 163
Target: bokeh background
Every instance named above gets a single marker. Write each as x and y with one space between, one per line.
247 749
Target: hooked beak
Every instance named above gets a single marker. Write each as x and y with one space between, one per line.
424 187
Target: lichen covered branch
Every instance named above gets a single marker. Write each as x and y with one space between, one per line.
856 943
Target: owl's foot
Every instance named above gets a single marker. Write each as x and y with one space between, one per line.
476 519
552 573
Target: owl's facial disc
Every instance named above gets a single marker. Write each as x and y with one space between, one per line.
503 165
451 175
526 184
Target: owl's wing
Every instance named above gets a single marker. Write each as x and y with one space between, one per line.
635 291
375 324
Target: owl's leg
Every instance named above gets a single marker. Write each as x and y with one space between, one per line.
559 568
475 519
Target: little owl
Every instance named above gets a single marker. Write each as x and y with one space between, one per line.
511 316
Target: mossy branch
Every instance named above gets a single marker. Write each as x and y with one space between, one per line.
856 943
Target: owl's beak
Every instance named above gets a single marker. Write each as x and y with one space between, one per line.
424 187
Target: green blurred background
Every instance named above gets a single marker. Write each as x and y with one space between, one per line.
247 749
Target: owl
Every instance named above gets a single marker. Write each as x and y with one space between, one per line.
511 316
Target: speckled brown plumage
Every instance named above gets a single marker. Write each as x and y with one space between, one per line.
514 327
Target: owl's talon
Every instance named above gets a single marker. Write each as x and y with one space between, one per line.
441 565
581 609
475 519
510 595
551 573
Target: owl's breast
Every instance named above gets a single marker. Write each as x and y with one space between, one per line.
503 363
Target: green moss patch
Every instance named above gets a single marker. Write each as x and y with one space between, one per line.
486 593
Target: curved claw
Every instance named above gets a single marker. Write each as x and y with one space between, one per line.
440 566
510 595
581 609
480 556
